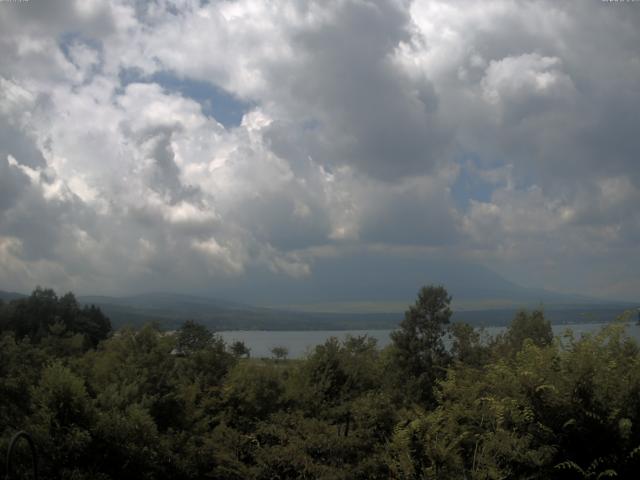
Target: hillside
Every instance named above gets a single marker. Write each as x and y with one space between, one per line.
170 310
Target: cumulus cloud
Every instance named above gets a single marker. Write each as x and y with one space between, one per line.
358 120
521 86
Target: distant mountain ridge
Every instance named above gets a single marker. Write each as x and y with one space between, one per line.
362 291
170 310
162 300
8 296
385 284
368 277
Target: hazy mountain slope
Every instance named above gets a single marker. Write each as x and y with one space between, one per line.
171 310
363 291
8 296
371 278
165 301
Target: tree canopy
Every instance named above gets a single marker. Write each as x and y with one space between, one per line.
43 314
521 405
419 342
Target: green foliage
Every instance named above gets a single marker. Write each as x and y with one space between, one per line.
129 441
469 346
252 391
63 420
336 373
544 411
43 315
20 367
522 405
418 345
239 349
192 337
528 326
280 353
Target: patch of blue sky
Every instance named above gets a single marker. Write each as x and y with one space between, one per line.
470 185
215 102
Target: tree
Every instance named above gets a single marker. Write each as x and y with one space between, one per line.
565 410
193 336
30 317
63 419
339 372
43 314
524 326
94 324
468 346
418 345
20 366
280 353
252 392
239 349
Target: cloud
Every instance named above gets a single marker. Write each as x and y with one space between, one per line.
149 144
519 87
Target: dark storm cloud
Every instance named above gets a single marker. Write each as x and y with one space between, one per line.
55 17
573 116
18 144
420 216
27 215
12 184
365 112
164 175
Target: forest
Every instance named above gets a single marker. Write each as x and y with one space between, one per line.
152 404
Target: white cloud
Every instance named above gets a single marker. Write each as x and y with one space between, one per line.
521 86
359 114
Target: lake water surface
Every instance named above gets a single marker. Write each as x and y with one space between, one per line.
301 343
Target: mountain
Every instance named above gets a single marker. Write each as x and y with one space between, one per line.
384 284
165 302
361 291
8 296
171 310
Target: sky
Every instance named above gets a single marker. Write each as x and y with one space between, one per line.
189 146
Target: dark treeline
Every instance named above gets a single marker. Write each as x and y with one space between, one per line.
142 403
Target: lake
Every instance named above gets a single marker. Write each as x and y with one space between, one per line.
300 343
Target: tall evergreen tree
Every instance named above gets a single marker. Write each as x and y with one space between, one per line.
418 345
